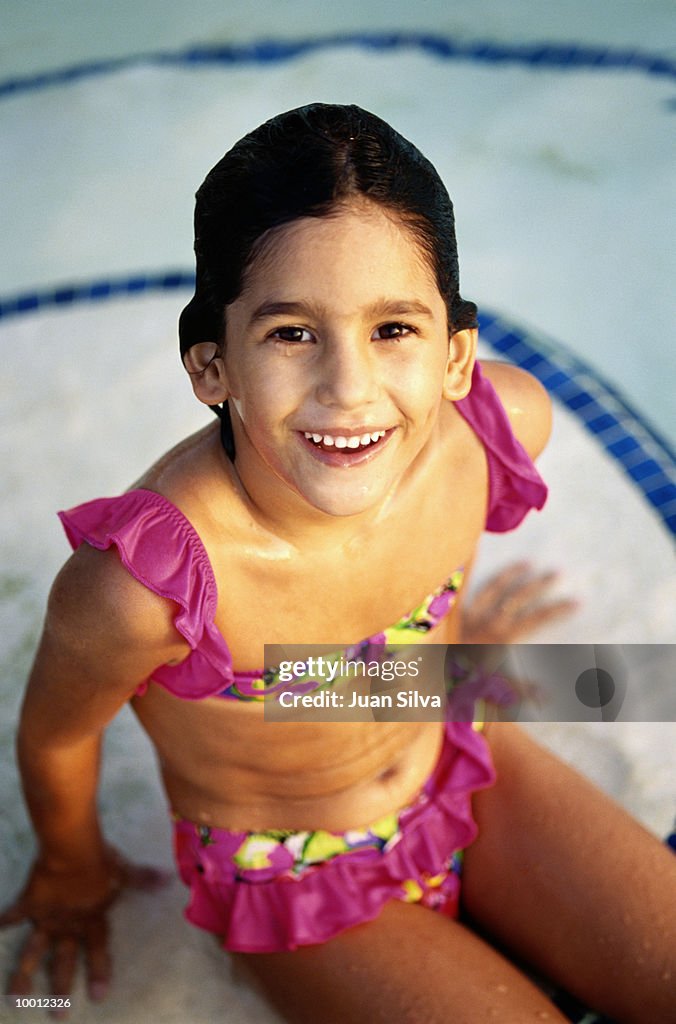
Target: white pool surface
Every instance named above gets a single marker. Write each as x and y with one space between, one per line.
562 177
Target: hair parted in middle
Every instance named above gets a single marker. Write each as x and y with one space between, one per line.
309 162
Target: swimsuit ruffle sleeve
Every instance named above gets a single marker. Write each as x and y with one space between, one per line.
515 486
159 547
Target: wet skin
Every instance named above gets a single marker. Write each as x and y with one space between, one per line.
340 331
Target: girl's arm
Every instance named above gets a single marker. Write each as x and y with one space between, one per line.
104 633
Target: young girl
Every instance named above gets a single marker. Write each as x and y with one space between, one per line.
360 452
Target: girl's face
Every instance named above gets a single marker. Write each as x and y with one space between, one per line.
336 357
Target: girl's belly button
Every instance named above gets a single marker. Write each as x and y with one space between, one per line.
388 775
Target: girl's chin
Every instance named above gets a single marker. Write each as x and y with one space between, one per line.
341 483
342 499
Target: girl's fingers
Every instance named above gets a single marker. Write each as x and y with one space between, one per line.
66 932
98 959
507 576
497 589
35 947
522 624
64 964
512 605
523 591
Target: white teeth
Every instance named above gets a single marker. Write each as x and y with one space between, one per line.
356 441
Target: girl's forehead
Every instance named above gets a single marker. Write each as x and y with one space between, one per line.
357 245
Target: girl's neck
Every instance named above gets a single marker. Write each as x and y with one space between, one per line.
287 515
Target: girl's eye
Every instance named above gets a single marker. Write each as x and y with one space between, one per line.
390 332
291 335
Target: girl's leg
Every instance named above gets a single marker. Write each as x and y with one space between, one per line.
409 966
565 879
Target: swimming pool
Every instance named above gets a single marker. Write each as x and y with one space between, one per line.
551 128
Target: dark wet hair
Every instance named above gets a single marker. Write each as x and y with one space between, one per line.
306 163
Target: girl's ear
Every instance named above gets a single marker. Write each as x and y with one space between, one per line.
461 359
204 363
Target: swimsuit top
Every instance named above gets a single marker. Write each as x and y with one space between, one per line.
161 549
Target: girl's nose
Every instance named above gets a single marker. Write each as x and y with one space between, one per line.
348 377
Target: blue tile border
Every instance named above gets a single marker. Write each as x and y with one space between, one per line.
93 291
645 456
542 55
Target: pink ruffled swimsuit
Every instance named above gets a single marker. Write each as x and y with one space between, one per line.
275 890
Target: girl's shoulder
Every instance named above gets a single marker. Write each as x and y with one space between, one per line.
191 472
139 555
127 627
509 415
527 404
198 479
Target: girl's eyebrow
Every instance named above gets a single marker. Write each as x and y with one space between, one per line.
378 309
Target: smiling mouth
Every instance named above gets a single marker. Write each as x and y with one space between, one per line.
340 442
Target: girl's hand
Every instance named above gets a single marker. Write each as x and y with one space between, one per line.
511 605
68 911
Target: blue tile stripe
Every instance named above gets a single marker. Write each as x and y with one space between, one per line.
644 455
561 56
92 291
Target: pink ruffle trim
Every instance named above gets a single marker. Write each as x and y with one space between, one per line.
515 486
263 914
159 547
